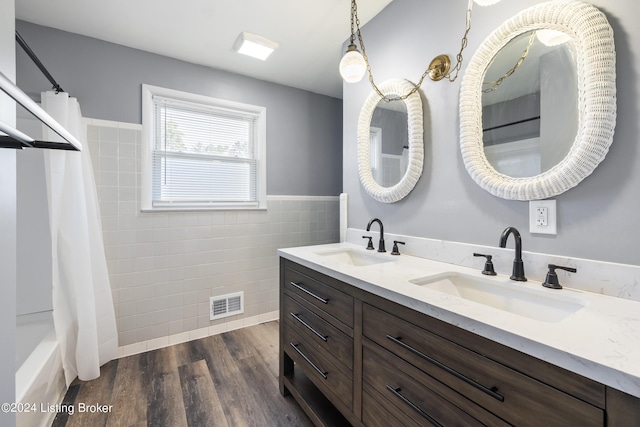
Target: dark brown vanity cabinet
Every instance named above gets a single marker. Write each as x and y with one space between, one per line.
316 344
351 357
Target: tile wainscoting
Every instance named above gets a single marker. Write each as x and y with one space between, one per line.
164 266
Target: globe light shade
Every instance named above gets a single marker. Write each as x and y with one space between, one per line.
486 2
352 65
552 37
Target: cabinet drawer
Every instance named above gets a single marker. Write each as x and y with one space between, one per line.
512 396
378 412
400 388
330 300
319 332
334 382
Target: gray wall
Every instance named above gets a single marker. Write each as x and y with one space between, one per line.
304 129
510 112
34 234
7 223
558 107
598 219
395 133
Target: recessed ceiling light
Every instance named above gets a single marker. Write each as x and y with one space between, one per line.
254 45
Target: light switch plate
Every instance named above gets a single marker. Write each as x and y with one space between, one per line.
542 217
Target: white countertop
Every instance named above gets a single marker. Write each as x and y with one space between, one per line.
601 341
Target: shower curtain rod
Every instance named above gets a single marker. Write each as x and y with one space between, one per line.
17 139
23 44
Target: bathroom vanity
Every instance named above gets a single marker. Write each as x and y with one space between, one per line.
361 343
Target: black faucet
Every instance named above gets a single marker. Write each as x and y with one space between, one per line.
381 242
518 265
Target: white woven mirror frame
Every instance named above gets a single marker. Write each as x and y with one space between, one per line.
416 147
592 38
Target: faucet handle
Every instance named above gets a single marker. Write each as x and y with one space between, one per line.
370 244
552 278
488 265
395 250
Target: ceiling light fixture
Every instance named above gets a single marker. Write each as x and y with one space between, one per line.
354 64
254 45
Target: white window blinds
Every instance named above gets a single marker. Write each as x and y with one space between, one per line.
203 155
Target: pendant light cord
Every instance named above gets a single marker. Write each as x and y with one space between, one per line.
456 68
496 84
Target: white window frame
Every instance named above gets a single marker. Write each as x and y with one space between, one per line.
148 136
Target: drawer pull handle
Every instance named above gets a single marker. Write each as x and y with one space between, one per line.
308 326
308 292
313 365
490 391
396 393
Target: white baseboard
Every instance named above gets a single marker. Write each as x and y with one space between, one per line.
156 343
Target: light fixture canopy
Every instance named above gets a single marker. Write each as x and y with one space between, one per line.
254 45
352 65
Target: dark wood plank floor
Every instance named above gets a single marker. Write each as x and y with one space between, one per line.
224 380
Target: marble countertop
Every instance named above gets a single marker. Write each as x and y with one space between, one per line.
600 341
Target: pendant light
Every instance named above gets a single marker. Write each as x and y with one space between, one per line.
355 63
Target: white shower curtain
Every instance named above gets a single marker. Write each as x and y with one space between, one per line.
83 312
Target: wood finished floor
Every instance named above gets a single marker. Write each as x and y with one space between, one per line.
224 380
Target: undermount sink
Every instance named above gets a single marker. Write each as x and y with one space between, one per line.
513 297
353 257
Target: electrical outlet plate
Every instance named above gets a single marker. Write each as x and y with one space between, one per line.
542 217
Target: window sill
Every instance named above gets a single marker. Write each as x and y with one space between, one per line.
201 208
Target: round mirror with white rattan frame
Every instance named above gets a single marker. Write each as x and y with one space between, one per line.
413 103
592 38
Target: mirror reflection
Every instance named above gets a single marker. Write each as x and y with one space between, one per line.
389 143
530 104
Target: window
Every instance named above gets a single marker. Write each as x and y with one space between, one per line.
201 152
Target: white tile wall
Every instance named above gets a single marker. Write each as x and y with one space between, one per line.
164 266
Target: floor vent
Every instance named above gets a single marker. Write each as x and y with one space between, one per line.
226 305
